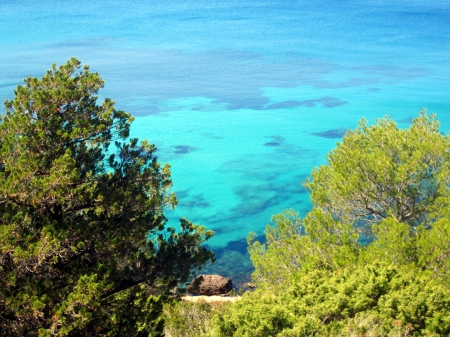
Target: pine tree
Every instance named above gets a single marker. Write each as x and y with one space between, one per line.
84 246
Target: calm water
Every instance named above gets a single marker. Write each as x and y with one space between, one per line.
242 98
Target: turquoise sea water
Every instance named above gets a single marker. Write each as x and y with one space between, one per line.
242 98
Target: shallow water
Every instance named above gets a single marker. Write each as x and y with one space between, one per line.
242 98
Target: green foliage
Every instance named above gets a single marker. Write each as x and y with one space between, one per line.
78 200
186 319
350 301
433 249
288 252
314 279
383 171
274 263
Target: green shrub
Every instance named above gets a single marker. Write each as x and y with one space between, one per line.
376 300
187 319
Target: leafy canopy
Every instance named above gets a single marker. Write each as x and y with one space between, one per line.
383 171
78 200
315 277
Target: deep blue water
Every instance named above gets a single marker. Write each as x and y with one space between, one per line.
242 98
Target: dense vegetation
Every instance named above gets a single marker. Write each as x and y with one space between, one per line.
85 250
383 184
372 258
84 246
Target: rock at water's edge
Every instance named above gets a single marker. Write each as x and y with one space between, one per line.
210 285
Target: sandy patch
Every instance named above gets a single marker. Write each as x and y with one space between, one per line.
209 299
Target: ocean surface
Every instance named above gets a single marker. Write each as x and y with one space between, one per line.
242 98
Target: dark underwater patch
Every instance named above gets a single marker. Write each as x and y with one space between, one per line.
196 201
272 144
145 111
285 104
257 198
237 245
331 102
336 133
182 194
152 110
327 102
183 149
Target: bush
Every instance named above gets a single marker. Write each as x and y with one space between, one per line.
187 319
378 299
389 186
